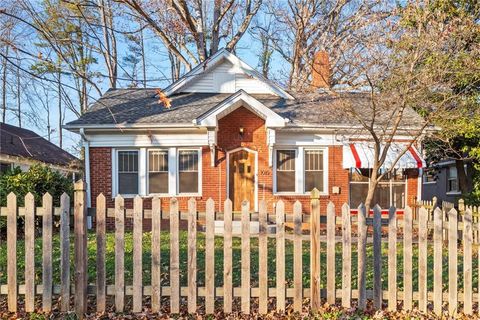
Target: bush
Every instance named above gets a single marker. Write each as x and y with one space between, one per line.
38 180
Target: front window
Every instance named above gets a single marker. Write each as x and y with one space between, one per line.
314 171
390 191
452 179
429 175
188 171
285 171
157 171
127 172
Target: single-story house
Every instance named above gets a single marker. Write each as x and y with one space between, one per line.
231 133
441 180
20 147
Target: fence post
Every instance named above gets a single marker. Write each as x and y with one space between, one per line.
80 230
315 250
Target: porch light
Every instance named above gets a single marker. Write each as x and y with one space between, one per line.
241 130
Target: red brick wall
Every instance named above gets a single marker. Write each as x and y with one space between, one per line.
215 178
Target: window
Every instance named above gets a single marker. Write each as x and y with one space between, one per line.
452 179
127 172
157 171
429 175
285 171
188 171
391 190
314 171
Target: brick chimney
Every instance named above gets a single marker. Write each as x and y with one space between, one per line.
321 71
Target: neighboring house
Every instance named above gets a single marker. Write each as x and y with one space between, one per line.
23 148
441 181
230 133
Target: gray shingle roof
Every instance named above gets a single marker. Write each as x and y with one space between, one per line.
20 142
141 106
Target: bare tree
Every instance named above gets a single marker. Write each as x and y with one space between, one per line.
205 24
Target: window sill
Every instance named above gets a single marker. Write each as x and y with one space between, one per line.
453 193
429 182
298 194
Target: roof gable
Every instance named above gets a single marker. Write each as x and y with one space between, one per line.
225 73
241 98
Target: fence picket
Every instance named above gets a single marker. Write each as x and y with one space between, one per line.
280 257
407 259
227 257
452 262
331 221
80 230
362 257
315 250
29 252
137 253
422 258
392 259
156 271
346 257
297 257
210 257
467 262
12 252
65 252
119 253
174 258
437 261
101 247
262 259
377 257
245 283
192 256
47 253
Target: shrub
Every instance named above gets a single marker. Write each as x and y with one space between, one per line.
38 180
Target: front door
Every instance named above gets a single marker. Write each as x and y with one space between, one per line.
242 178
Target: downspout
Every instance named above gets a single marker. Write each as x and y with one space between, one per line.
86 146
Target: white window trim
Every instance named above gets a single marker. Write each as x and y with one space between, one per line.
200 175
299 170
115 172
147 175
285 193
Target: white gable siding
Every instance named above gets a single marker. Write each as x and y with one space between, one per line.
227 78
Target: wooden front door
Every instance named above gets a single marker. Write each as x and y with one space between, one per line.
242 178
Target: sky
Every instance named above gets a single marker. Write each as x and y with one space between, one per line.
157 68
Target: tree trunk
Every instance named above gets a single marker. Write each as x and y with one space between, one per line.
4 87
60 132
144 67
19 107
462 176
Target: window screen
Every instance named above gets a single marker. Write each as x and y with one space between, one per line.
314 170
285 170
188 171
127 172
158 171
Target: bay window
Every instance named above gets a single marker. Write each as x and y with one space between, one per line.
127 172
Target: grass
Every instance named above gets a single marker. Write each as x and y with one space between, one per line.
110 262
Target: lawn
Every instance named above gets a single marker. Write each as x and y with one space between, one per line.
110 262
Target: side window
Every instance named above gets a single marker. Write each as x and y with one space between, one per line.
127 173
285 171
188 172
157 171
452 179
